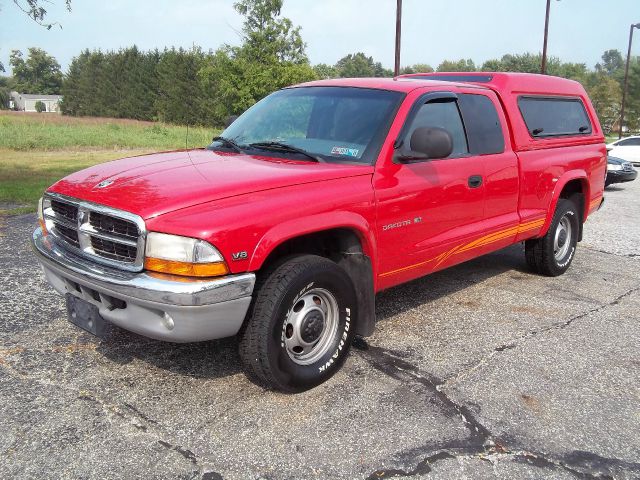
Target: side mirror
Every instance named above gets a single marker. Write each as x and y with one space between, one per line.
230 120
433 142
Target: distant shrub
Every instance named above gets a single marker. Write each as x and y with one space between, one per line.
40 107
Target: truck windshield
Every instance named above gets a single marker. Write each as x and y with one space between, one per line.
333 124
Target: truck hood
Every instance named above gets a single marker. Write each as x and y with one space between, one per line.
151 185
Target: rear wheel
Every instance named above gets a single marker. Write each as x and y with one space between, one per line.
552 254
301 324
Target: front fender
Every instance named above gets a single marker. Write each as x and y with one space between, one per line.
297 227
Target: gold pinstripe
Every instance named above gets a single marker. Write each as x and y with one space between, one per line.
479 242
595 202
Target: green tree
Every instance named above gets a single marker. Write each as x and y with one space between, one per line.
40 106
417 68
461 65
573 71
267 36
358 65
6 85
130 81
181 97
72 93
271 56
632 108
324 71
527 62
612 63
115 84
606 95
39 73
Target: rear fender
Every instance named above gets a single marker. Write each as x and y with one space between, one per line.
557 192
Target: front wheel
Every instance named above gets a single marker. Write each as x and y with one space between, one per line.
301 324
552 254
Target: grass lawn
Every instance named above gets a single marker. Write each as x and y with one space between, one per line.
36 150
24 175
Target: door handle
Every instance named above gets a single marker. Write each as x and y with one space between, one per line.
475 181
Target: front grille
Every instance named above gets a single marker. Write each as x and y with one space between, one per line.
114 250
106 235
65 210
69 234
109 224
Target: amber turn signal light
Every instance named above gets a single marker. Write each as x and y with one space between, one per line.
186 269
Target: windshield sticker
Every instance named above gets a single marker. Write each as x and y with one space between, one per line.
349 152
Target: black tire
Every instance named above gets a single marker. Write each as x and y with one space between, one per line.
269 340
547 257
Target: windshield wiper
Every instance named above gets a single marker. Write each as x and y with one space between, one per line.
284 147
229 143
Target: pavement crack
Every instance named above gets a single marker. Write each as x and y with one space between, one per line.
532 333
391 364
481 443
583 465
142 422
623 255
186 453
423 467
125 411
139 414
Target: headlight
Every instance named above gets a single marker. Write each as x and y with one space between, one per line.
183 256
613 167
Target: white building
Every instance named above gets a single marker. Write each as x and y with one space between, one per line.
26 102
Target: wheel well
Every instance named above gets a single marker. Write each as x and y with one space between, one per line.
344 247
331 244
574 190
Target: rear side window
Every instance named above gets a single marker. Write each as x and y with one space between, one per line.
484 131
551 117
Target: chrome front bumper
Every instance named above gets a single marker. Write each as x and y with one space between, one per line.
172 310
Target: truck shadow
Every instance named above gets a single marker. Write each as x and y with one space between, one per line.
211 359
404 297
219 358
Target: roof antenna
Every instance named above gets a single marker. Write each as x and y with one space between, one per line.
186 143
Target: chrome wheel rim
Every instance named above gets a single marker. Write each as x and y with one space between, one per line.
311 326
562 239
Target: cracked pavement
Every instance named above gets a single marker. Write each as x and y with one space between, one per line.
480 371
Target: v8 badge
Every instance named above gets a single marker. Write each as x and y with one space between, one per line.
239 256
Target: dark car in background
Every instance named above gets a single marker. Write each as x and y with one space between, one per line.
619 171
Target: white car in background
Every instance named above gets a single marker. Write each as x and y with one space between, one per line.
627 149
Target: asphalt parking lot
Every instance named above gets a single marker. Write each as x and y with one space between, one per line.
480 371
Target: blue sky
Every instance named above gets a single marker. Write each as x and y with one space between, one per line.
433 30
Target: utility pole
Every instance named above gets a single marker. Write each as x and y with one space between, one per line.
396 70
543 67
626 77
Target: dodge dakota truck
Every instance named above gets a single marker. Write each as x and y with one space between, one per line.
285 227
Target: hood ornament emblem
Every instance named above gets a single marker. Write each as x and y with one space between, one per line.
104 184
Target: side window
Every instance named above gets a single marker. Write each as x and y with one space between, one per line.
443 114
550 117
484 131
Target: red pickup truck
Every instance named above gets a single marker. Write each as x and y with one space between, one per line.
319 196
